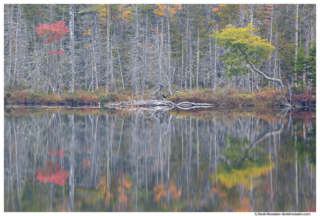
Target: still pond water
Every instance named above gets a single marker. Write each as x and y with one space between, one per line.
203 160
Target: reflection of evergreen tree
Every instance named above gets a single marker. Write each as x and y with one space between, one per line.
307 147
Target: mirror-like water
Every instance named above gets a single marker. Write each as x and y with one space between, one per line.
158 161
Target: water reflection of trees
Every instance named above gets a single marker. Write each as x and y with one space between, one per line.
149 161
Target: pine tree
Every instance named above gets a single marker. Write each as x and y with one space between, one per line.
311 65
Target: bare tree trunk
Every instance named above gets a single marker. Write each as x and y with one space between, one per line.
269 70
275 56
94 71
215 65
111 68
161 50
134 78
145 55
181 75
296 40
120 69
169 47
210 59
187 41
108 52
71 25
10 17
266 77
254 75
190 55
17 42
197 81
97 38
86 57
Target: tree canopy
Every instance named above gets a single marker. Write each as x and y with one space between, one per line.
243 48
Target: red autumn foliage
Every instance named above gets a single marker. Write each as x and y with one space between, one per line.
54 32
52 174
59 52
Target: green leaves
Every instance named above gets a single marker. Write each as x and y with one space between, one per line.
243 47
311 65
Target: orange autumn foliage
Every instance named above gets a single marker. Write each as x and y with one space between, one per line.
163 9
161 191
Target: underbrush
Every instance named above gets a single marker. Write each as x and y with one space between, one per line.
76 98
227 96
224 97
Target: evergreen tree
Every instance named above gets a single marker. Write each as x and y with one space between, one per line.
311 65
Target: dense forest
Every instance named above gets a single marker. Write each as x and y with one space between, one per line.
66 48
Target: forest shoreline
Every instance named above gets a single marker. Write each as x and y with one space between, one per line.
227 98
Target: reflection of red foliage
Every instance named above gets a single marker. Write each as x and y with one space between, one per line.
52 174
59 153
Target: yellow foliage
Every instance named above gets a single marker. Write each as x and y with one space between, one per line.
104 9
243 176
163 9
123 13
86 32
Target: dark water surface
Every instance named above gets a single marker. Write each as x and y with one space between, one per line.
158 161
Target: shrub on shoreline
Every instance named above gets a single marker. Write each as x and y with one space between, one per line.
226 96
77 98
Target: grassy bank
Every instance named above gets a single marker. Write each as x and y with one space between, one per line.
227 97
221 97
26 97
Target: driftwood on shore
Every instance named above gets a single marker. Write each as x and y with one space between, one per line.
155 104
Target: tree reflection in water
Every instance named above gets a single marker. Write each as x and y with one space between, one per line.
158 161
